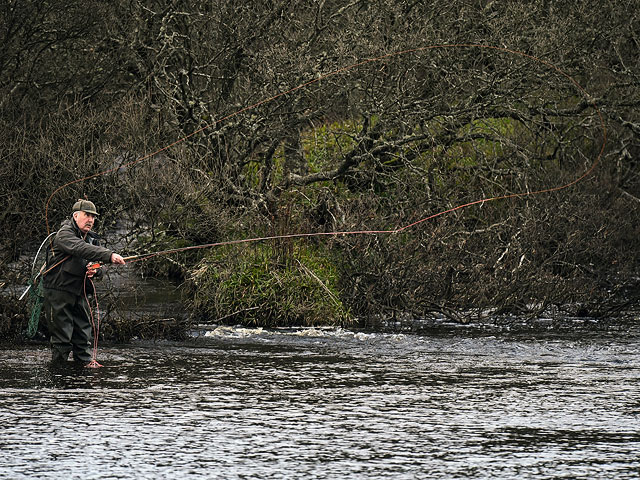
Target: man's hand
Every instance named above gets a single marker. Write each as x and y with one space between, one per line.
117 259
92 268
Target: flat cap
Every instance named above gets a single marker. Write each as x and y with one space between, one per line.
85 206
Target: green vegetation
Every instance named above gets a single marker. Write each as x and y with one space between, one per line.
259 285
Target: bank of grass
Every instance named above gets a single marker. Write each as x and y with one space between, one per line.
259 285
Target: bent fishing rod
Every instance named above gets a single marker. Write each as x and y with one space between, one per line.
353 66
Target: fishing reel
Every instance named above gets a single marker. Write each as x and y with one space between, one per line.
92 268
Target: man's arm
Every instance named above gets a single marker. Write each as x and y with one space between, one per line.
67 242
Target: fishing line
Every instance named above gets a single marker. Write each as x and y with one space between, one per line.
589 99
95 322
353 66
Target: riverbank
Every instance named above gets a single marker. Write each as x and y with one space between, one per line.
149 327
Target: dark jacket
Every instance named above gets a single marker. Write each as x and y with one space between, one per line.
75 250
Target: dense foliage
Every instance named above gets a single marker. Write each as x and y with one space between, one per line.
283 138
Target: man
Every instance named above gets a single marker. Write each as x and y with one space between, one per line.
66 286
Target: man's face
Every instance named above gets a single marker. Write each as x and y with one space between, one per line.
84 221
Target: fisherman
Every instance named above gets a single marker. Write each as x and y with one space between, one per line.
71 263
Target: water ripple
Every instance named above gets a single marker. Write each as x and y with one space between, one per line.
320 403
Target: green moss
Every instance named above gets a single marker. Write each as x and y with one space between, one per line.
323 145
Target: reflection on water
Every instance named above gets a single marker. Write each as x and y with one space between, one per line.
320 403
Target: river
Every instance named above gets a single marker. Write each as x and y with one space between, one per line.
235 403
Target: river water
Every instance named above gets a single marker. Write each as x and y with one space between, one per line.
236 403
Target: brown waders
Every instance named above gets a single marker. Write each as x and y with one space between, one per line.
69 325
